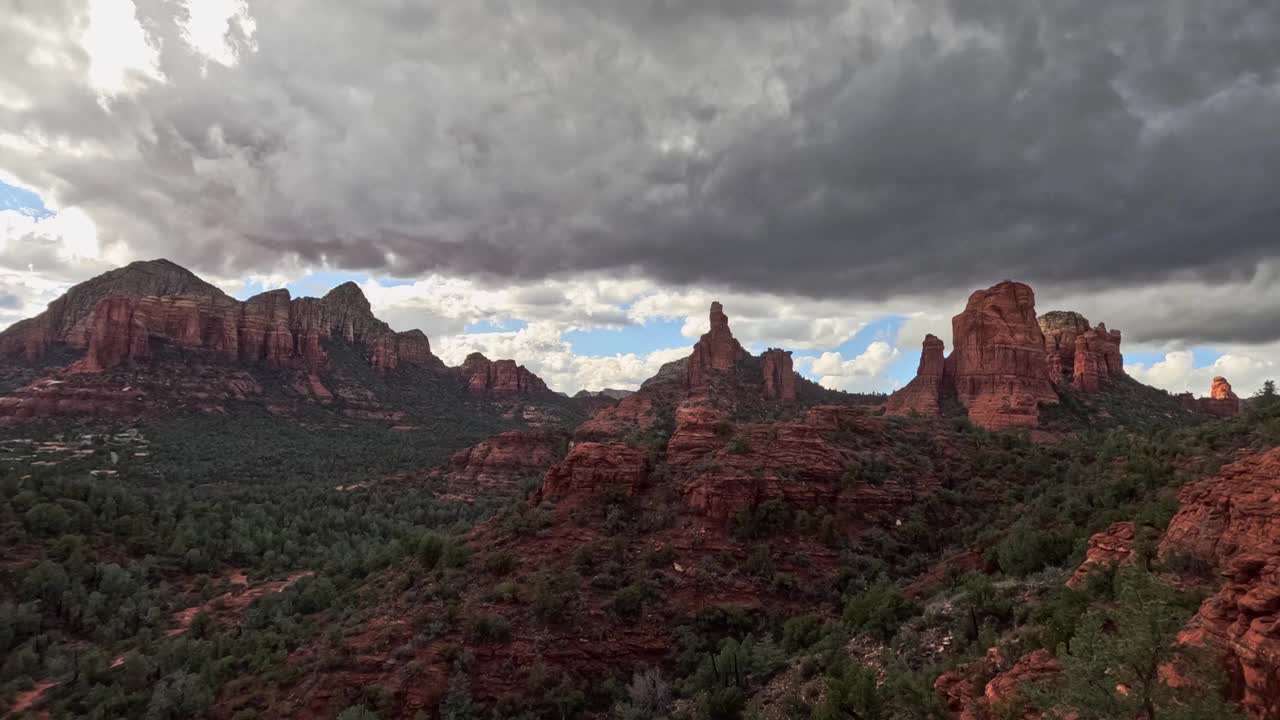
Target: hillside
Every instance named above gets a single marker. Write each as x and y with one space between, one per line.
728 541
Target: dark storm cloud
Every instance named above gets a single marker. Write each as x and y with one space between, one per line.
821 147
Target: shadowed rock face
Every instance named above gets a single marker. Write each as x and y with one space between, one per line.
1231 522
999 358
1007 362
716 350
149 308
921 395
998 368
779 375
499 378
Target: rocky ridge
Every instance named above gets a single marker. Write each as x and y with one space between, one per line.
1007 363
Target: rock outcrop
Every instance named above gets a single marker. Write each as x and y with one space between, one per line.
1079 354
1097 359
594 469
499 378
998 363
500 463
1231 522
998 368
921 395
779 375
958 688
1110 548
715 351
1222 401
156 309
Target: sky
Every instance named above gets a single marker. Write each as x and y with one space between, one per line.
571 183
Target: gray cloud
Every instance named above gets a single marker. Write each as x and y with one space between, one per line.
825 148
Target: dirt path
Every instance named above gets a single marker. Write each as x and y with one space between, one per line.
25 700
235 601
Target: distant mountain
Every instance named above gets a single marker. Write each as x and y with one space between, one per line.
152 337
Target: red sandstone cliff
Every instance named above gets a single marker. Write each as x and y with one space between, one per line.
998 362
156 308
779 375
1231 522
1079 353
499 378
998 367
921 395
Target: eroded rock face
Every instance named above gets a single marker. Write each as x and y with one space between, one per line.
157 309
501 462
1222 401
1061 328
716 350
1110 548
594 469
1031 669
921 395
999 367
1221 390
1097 358
958 688
499 378
69 319
1232 522
998 363
779 375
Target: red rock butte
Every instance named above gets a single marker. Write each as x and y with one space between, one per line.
1007 362
1222 401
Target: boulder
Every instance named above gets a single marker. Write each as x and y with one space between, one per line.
1110 548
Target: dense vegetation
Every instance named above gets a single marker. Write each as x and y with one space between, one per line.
96 567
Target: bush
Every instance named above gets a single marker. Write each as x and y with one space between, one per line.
880 610
490 628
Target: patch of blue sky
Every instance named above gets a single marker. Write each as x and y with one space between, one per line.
1200 356
495 326
23 200
641 339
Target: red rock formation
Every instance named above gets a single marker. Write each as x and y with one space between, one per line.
1232 522
157 309
920 396
779 375
1033 668
998 363
716 351
1109 548
959 687
499 378
1221 390
1061 328
117 335
1222 401
501 462
1097 358
593 469
69 319
727 470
